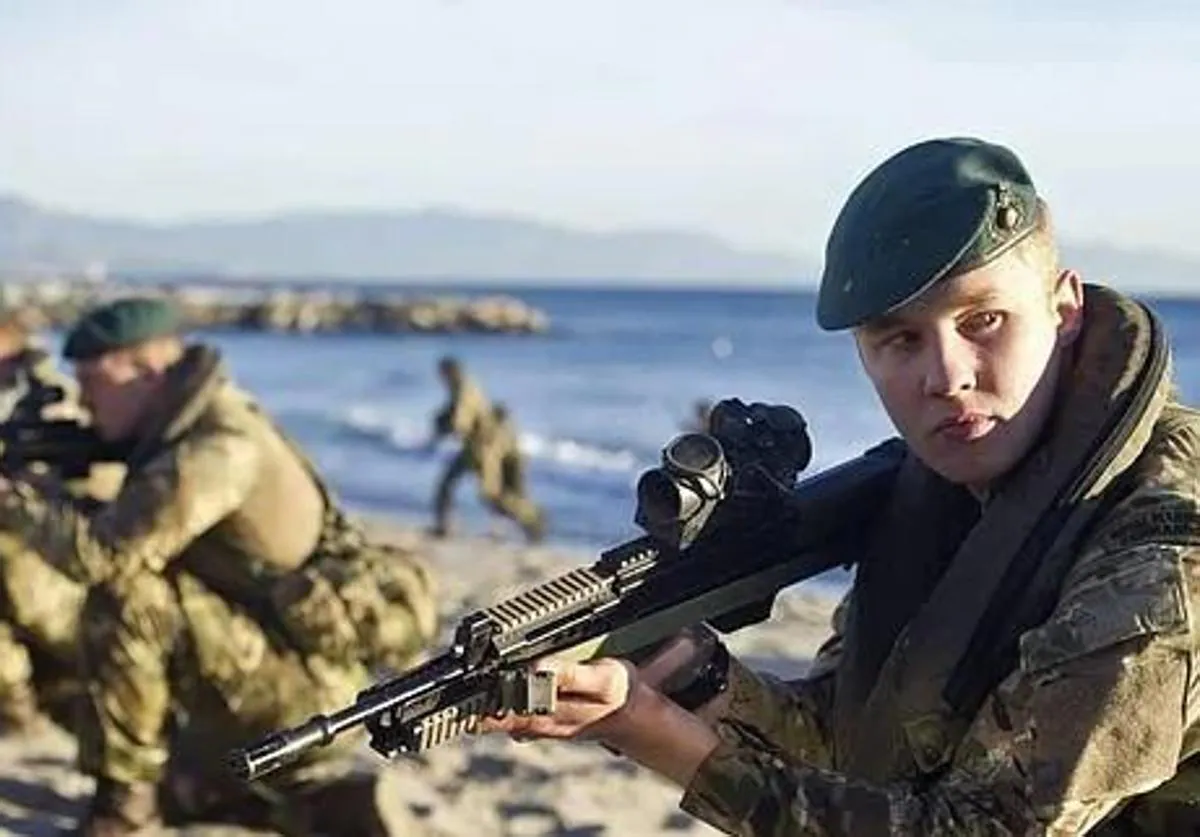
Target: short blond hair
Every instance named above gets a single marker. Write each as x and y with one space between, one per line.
1040 248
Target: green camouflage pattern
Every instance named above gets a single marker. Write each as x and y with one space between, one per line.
501 468
466 416
39 619
1086 735
216 509
39 605
156 648
468 413
357 599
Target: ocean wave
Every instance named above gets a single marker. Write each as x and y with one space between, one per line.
408 435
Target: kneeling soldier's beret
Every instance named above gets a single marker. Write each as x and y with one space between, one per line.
118 324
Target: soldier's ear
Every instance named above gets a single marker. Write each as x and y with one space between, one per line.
1066 300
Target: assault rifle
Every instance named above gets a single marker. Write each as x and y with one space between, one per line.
728 528
67 447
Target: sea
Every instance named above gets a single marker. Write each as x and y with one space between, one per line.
595 399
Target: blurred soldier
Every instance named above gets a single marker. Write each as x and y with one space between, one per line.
39 605
29 381
221 582
502 476
488 450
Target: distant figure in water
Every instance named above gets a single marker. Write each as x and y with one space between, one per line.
489 449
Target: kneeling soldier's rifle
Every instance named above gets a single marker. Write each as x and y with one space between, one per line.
67 447
728 529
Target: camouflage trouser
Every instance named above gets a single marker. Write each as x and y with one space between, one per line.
501 487
178 676
39 616
39 620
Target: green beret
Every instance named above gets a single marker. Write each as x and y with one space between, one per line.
115 325
932 211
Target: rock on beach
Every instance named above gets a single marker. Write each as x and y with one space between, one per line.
259 308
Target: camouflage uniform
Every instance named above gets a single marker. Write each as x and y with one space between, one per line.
182 648
1088 720
39 605
1101 708
490 449
502 476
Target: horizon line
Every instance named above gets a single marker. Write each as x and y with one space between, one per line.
502 285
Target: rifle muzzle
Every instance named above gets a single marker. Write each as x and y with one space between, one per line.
279 749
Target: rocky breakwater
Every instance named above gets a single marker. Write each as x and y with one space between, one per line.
57 305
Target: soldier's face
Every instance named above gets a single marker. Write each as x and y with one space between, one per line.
967 371
117 391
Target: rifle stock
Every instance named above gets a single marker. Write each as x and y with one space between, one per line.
636 594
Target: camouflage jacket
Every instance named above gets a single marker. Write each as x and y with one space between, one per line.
501 439
212 487
468 415
1101 708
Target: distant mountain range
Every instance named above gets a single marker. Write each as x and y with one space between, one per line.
375 245
450 245
1135 269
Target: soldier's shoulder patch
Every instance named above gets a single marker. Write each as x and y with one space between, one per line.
1151 517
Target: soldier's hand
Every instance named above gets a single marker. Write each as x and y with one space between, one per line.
591 698
604 700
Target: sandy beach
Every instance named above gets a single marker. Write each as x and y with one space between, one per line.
478 786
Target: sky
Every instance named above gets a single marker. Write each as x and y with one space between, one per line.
750 119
